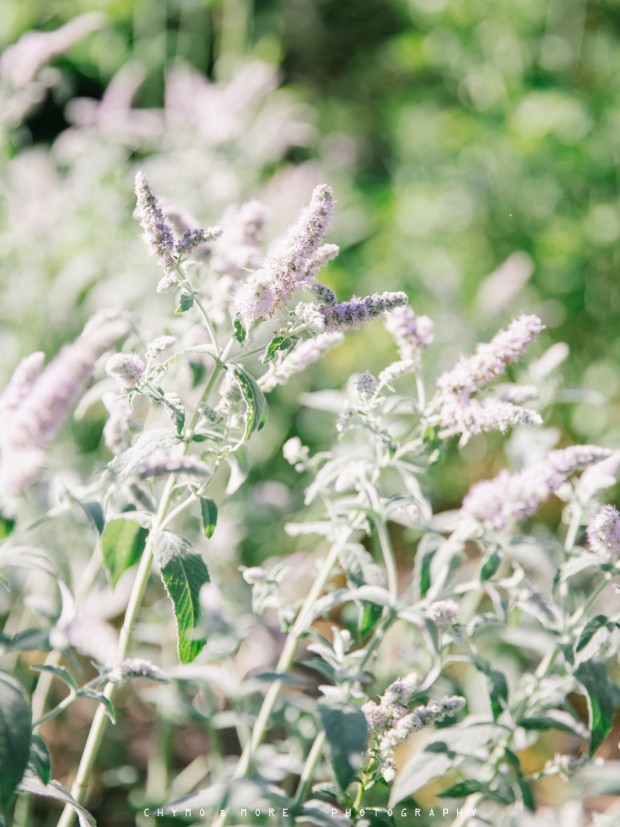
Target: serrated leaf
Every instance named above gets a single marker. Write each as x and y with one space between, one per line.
122 544
175 410
183 572
254 398
595 680
208 511
185 301
276 344
15 737
60 672
239 330
40 758
346 731
31 784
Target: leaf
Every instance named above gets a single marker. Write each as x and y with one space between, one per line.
498 687
347 734
276 344
176 411
60 672
463 789
554 719
15 737
122 544
594 678
30 640
185 301
102 699
183 572
418 771
124 465
254 398
588 631
239 329
491 564
208 511
31 784
6 526
40 758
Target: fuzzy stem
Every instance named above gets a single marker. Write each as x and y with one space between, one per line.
95 736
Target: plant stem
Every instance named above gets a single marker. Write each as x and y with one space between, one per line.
95 736
285 662
307 774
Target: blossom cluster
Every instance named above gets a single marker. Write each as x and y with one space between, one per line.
604 533
460 413
511 496
390 721
292 264
37 400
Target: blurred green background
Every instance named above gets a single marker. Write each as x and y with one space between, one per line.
472 145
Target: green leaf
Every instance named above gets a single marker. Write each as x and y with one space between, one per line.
594 678
254 398
498 687
589 630
276 344
6 526
122 544
347 734
527 795
59 671
40 758
185 301
32 785
15 737
30 640
239 330
491 564
102 699
554 719
183 572
208 511
464 788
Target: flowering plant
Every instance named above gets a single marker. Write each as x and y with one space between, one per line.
494 637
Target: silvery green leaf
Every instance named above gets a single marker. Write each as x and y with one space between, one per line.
208 512
126 464
185 301
33 785
40 759
346 731
254 398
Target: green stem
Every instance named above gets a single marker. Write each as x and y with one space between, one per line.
307 774
95 736
285 662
